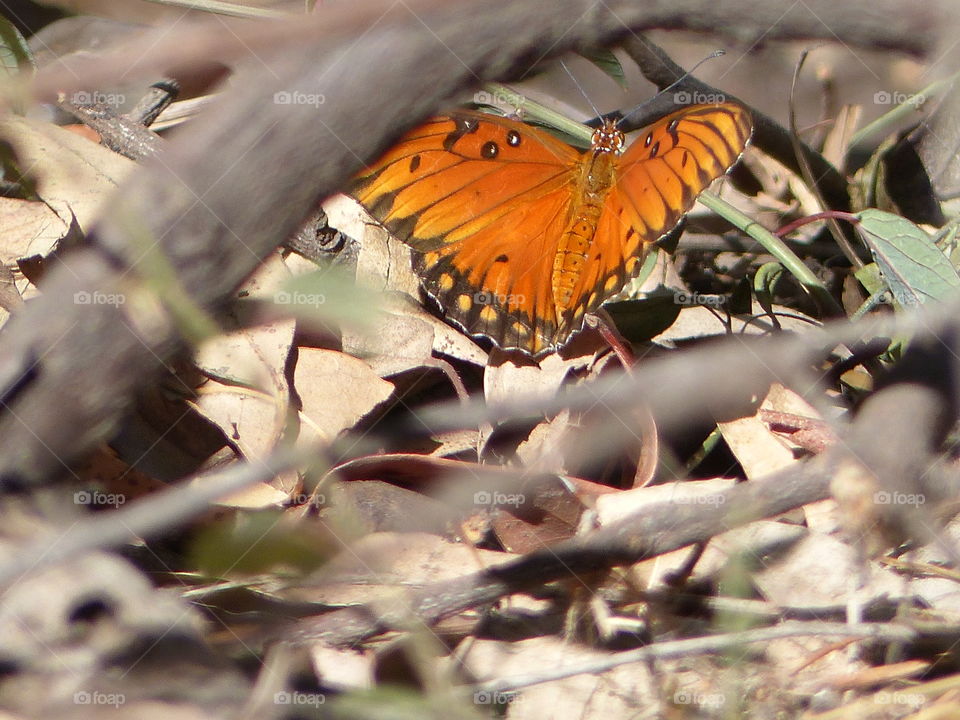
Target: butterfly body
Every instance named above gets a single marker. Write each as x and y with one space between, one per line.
518 235
597 177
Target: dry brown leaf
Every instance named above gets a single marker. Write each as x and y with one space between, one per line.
820 571
30 228
383 565
247 396
343 668
336 391
383 263
71 172
511 378
394 343
541 513
624 692
759 450
376 506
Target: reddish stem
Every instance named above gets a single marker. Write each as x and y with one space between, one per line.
800 222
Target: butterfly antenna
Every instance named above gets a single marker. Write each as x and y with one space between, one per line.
688 73
583 92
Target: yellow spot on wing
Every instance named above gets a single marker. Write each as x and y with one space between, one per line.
464 303
446 280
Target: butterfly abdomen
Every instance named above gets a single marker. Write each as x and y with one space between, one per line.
596 179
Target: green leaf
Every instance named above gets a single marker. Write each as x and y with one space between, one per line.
640 320
914 268
776 247
764 283
260 541
606 61
14 51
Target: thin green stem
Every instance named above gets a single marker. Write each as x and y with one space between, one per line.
776 247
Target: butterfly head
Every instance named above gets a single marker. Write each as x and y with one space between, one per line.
608 138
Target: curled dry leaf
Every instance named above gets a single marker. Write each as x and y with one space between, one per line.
247 395
73 177
759 450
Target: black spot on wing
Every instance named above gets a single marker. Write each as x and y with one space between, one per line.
463 126
490 150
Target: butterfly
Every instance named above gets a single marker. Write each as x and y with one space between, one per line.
518 235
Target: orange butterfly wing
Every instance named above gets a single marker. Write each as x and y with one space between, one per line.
485 201
658 180
482 200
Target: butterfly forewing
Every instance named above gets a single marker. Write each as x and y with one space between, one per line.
483 201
